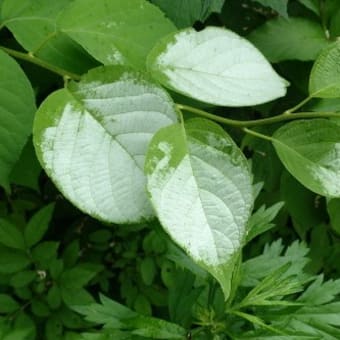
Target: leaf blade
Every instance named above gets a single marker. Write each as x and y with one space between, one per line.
210 66
309 151
105 123
196 194
16 114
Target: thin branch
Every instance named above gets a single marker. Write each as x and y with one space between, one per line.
34 60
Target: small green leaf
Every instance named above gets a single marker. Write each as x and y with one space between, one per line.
40 308
23 278
27 169
184 13
38 225
8 304
210 66
10 235
54 329
71 254
12 260
53 297
200 186
16 115
324 80
313 5
111 35
97 132
76 297
282 39
333 208
79 276
148 270
310 151
44 253
280 6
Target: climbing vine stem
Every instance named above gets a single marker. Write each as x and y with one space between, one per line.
258 122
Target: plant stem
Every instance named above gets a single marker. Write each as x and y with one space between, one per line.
257 134
34 60
296 107
257 122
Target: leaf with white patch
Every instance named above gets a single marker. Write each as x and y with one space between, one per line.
310 150
215 66
200 187
91 139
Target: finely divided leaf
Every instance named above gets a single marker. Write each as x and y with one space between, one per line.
116 316
289 39
115 32
324 80
215 66
91 139
200 186
310 150
17 109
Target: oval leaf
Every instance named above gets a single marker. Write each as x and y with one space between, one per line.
92 137
215 66
289 39
33 23
115 32
200 187
17 109
310 150
324 80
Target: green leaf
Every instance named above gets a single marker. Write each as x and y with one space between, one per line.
289 39
44 253
309 149
117 316
200 186
280 6
210 66
10 235
97 132
313 5
76 297
115 32
333 208
54 328
79 276
148 270
184 13
38 225
12 261
27 169
324 80
319 292
33 23
261 220
257 268
23 278
53 297
8 304
16 115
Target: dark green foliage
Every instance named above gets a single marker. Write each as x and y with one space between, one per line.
123 215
